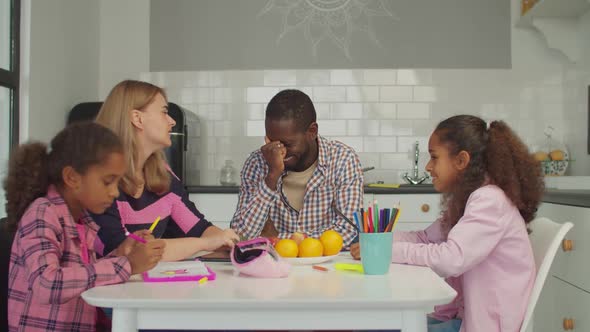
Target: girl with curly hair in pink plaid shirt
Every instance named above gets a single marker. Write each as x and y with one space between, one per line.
49 195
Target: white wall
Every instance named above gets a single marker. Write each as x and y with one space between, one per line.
124 42
63 62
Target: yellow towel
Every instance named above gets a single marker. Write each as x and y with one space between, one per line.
383 185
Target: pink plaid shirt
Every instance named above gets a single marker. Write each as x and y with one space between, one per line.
51 264
337 181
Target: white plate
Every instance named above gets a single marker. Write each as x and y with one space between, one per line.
308 260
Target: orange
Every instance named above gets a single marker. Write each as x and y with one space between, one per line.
332 242
310 247
287 248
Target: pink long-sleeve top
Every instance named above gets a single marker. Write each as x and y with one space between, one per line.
52 262
487 257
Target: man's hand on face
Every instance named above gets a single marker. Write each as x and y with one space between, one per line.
274 152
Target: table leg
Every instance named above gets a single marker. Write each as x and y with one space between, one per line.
414 321
124 320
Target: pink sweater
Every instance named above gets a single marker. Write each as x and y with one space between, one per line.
487 257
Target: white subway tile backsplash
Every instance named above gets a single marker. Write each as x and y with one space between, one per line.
313 77
347 111
379 77
369 160
406 143
425 93
256 111
346 77
394 160
332 127
380 144
362 94
329 94
259 94
354 142
372 127
322 111
280 77
413 111
395 93
222 95
414 77
223 128
255 128
378 112
354 127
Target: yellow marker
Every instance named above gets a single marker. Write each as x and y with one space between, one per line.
154 224
399 211
349 267
203 280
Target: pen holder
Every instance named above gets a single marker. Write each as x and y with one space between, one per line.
376 252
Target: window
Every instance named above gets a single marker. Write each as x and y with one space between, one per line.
9 79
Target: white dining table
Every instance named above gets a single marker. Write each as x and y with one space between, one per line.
308 299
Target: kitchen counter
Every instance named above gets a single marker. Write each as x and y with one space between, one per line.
558 196
403 189
579 198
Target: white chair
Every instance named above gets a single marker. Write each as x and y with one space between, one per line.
545 239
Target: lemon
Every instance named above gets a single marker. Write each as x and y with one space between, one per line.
311 247
287 248
557 155
332 242
541 156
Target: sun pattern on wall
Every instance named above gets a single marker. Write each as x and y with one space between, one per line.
335 20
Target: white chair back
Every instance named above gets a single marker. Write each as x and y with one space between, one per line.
546 237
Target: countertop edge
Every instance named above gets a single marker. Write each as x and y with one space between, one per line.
578 198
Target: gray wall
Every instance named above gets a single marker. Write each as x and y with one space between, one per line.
63 62
227 34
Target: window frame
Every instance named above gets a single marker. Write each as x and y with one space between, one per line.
11 78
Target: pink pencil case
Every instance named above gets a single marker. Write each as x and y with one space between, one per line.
258 258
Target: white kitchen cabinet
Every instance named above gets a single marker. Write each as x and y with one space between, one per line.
415 208
217 208
561 23
418 210
566 293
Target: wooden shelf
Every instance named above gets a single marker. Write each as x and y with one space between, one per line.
558 21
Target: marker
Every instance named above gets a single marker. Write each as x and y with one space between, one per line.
135 237
320 268
154 224
349 267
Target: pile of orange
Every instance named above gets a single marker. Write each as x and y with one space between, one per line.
329 243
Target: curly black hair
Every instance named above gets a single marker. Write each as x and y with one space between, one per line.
31 168
496 154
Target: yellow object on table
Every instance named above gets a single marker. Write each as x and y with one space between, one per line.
383 185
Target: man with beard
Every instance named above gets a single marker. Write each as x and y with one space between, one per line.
298 182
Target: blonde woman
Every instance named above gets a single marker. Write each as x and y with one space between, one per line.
138 113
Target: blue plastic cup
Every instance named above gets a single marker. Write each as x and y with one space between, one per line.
376 252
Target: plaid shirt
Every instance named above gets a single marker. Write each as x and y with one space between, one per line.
51 264
337 181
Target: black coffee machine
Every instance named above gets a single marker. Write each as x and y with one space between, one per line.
175 154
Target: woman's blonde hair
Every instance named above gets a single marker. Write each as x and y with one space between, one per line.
115 114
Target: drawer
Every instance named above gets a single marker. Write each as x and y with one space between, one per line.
216 207
415 207
570 303
570 265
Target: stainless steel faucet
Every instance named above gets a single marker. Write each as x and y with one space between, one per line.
415 179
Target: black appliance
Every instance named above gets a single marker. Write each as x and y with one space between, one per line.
175 154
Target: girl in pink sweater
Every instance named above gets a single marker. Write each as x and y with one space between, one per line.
491 188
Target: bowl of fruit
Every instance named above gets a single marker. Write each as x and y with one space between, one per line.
551 154
300 249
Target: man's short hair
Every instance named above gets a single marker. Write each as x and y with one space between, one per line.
292 104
